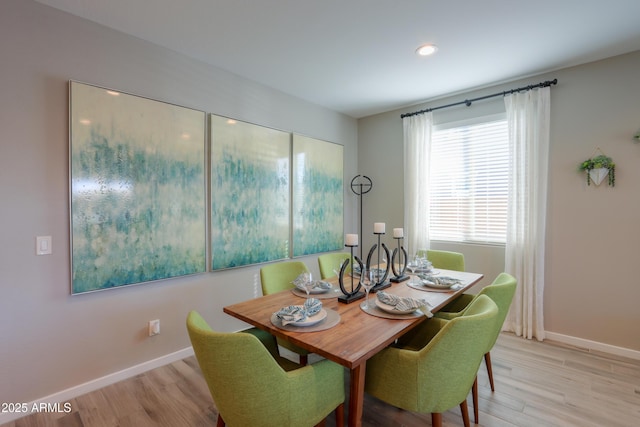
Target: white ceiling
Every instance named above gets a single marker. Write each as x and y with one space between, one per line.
357 56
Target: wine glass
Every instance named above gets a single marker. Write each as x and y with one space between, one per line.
366 279
424 263
413 266
308 284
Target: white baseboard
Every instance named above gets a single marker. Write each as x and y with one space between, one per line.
593 345
79 390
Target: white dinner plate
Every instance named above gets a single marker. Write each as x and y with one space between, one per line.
433 285
311 320
391 309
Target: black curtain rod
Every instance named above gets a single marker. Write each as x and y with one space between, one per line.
468 102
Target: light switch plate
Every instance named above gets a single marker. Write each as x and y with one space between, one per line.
43 245
154 327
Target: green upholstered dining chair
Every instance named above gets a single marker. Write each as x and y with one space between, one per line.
251 388
432 368
444 259
501 291
330 262
279 277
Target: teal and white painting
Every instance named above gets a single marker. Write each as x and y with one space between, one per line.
250 186
317 196
138 197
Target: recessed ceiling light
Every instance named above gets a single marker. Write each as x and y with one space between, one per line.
426 49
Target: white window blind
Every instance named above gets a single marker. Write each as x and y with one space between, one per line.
469 182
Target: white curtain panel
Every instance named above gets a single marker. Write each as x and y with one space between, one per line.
417 145
528 119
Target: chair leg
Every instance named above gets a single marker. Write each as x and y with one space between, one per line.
465 413
474 392
304 360
340 415
436 419
487 361
220 422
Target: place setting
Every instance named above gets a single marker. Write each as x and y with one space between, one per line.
305 286
392 306
434 283
419 264
308 317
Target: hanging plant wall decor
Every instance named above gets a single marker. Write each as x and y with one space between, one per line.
599 167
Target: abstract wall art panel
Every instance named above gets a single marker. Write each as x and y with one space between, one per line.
137 183
250 193
317 190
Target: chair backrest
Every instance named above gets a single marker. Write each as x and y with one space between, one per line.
243 378
250 388
333 261
501 291
446 259
448 364
278 277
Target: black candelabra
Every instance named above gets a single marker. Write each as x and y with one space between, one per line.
361 185
380 279
401 253
353 294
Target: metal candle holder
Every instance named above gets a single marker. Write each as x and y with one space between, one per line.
381 283
398 275
354 295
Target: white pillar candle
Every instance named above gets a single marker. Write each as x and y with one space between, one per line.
378 227
398 233
351 240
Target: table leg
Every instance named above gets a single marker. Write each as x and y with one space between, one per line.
356 395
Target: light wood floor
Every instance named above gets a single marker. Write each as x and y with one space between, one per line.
537 384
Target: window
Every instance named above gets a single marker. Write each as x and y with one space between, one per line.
469 181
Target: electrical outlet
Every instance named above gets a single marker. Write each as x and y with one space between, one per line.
154 327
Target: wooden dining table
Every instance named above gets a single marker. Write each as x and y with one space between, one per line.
358 335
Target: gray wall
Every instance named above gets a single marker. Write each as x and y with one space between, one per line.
591 283
51 341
